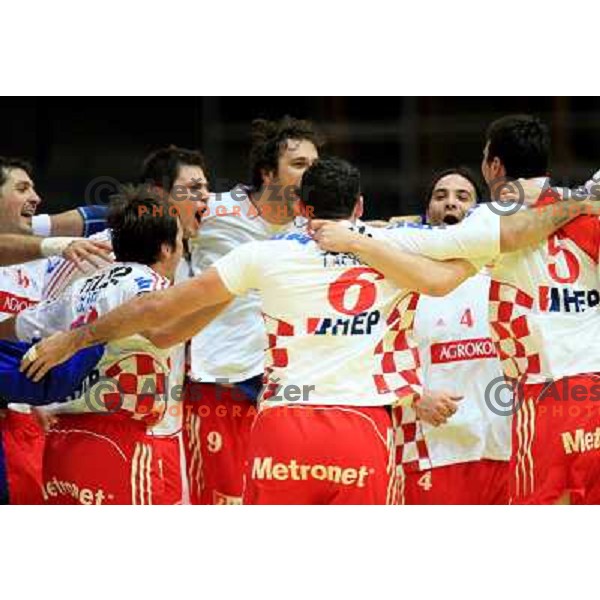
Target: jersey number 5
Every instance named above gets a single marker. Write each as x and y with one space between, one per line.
354 282
570 259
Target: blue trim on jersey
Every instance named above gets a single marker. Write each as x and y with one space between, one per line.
295 236
56 386
251 387
94 218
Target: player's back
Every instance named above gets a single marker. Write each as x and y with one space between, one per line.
544 305
338 331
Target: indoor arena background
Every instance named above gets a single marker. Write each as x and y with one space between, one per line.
396 142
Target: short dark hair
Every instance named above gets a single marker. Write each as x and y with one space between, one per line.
268 141
463 172
8 163
161 167
522 143
141 223
330 188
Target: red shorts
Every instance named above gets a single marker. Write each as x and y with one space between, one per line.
320 455
556 443
23 442
478 482
215 436
169 471
99 459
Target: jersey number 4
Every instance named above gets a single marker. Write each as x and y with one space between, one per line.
354 291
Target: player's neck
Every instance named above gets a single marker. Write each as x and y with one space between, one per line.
162 270
273 209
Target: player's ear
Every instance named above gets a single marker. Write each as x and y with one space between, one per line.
267 176
165 251
497 168
359 208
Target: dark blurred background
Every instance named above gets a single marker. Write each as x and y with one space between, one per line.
397 142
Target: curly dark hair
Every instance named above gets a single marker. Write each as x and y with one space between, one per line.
268 141
522 143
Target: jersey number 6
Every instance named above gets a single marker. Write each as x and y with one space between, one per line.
357 279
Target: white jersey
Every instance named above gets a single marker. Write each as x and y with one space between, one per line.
21 288
231 347
131 375
172 421
459 356
544 306
338 331
63 274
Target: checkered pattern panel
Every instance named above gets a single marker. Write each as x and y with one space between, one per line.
509 308
136 385
276 355
397 357
411 449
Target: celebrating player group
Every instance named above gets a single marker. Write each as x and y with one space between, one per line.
267 345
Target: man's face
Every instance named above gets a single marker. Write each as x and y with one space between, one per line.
190 195
294 159
452 197
18 202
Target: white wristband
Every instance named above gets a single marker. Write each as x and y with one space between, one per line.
55 246
41 225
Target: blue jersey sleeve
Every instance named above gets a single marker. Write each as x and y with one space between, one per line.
58 385
94 218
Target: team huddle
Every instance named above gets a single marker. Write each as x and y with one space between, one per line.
268 346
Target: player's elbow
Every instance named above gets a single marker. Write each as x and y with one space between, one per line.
160 340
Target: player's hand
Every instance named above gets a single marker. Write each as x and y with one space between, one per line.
436 407
333 236
97 254
48 353
44 416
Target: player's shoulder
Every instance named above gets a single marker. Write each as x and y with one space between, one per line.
131 276
102 236
224 204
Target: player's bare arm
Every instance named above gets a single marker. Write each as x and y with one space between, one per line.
15 249
409 271
183 328
530 227
136 316
67 223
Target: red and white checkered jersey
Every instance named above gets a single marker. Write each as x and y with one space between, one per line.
338 331
458 356
231 347
544 305
131 376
